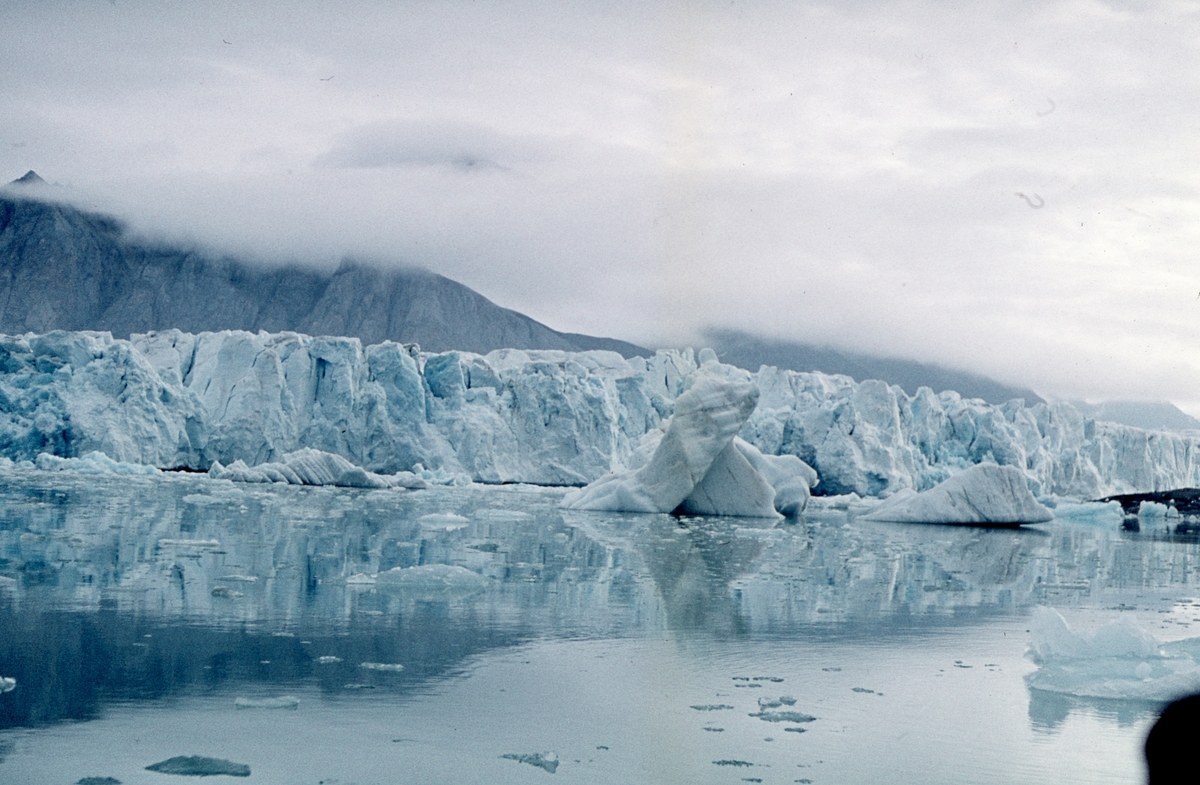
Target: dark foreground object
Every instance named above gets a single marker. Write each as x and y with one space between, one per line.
1170 749
199 766
1185 500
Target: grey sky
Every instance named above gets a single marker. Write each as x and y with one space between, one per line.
1010 188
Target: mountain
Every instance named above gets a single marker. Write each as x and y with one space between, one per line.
62 268
750 352
1151 415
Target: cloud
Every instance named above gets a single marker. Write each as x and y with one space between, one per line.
462 146
830 172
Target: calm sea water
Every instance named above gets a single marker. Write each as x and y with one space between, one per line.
150 618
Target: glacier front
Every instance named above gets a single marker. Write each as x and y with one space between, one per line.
177 400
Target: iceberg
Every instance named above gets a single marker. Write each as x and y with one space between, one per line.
696 466
313 467
983 494
200 766
1119 661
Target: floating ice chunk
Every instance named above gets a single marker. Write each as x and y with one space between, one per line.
312 467
7 684
729 762
432 580
774 703
200 766
1118 661
985 493
328 659
387 667
1152 511
94 462
1091 513
289 702
1053 639
783 716
712 707
543 760
443 521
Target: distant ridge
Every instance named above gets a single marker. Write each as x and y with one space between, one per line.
751 352
65 269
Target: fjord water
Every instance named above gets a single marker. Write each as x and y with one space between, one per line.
145 618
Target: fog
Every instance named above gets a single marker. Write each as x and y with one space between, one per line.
1007 188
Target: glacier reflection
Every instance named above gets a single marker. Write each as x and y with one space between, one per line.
143 589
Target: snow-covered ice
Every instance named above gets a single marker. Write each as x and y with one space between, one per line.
983 494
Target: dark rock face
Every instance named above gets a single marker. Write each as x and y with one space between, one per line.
1185 500
65 269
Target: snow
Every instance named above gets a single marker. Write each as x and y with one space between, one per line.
177 400
983 494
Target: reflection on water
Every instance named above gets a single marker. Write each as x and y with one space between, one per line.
125 590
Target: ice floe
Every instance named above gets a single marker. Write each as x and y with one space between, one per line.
1119 660
289 702
200 766
983 494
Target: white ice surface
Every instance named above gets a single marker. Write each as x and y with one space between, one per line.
985 493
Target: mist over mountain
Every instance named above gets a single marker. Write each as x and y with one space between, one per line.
750 352
62 268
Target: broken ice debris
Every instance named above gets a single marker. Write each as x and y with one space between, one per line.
729 762
328 659
200 766
712 707
7 684
774 703
543 760
983 494
783 716
390 667
307 466
282 702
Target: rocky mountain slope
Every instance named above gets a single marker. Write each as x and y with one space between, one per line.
65 269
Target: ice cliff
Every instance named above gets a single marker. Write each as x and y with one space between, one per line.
178 400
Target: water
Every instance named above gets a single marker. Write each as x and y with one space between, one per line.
147 618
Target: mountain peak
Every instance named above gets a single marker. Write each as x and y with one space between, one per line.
29 178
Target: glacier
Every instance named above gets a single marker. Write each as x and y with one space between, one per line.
176 400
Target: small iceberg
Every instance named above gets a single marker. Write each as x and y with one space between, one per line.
1119 661
387 667
313 467
200 766
983 494
7 684
543 760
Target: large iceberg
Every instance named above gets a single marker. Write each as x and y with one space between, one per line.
696 467
177 400
984 494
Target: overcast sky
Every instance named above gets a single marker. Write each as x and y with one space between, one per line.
1008 188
